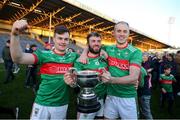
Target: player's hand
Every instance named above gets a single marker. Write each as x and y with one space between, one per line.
163 90
106 76
84 58
19 27
69 80
136 84
103 53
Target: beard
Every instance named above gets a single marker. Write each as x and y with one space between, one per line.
93 51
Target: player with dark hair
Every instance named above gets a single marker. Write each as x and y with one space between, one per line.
52 96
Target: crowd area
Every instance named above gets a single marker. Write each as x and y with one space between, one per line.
163 72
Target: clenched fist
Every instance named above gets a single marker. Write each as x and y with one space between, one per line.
69 79
19 26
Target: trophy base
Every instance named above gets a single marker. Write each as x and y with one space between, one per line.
89 109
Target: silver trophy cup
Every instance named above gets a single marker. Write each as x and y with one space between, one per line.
87 101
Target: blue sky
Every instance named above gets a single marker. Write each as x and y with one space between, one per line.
148 16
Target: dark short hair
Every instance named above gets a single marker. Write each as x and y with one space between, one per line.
92 34
33 45
8 41
121 22
178 52
61 29
171 55
167 66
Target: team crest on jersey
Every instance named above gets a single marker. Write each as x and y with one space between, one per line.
126 54
112 50
96 63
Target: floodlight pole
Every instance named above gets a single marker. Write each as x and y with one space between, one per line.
50 23
170 22
169 33
90 29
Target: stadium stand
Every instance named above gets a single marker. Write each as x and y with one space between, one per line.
26 39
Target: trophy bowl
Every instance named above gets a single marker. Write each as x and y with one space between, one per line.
87 101
87 78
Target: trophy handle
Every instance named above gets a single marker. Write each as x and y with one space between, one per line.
73 72
99 77
99 80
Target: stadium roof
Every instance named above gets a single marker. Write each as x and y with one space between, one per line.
79 18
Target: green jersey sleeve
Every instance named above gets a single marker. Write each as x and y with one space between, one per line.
136 58
104 47
160 78
143 74
78 65
174 79
38 56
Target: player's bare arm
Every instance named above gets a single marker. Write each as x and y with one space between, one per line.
132 78
83 57
17 54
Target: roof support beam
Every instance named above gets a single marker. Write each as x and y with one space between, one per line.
3 3
89 26
44 17
105 28
22 13
75 24
62 20
146 43
82 30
